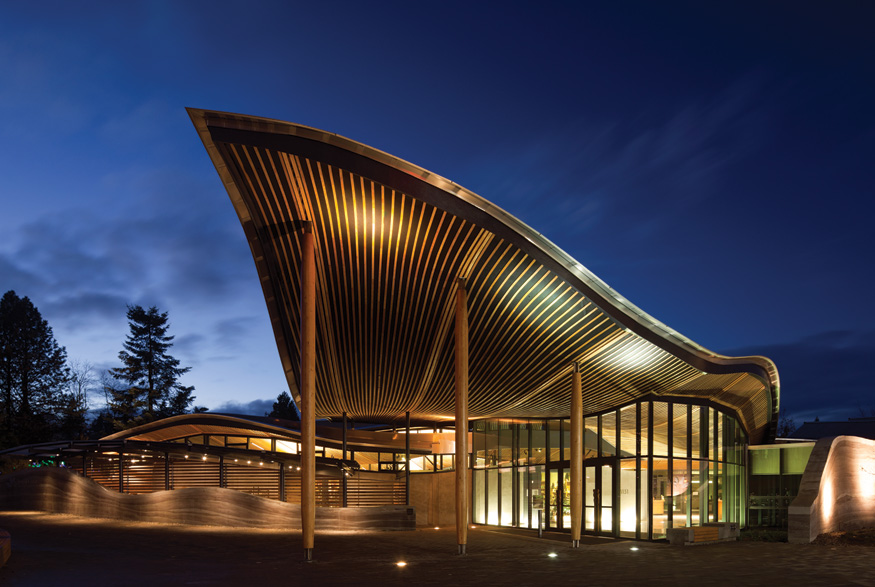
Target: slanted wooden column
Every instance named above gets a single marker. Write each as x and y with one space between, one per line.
308 392
462 415
576 455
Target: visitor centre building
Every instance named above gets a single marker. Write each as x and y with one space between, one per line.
431 337
398 296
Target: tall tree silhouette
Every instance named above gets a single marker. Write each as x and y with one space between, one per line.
33 373
150 372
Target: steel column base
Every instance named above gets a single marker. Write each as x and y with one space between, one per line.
575 544
462 549
308 555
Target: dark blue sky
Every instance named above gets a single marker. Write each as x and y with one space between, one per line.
713 162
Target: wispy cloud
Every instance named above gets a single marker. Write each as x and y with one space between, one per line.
826 375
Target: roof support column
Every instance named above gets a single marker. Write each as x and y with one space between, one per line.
576 455
308 392
462 415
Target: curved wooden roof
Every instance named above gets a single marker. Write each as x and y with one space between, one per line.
391 240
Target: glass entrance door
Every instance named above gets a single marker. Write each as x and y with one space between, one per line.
598 493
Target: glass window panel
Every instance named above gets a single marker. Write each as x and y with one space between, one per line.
589 478
627 498
492 497
238 441
695 430
480 497
720 421
368 461
628 432
196 439
699 493
478 441
523 435
660 428
566 440
259 444
795 459
288 446
555 440
644 511
609 434
539 443
490 437
765 461
335 453
590 437
505 443
607 497
681 493
713 454
421 463
645 423
505 479
661 504
216 440
524 496
679 430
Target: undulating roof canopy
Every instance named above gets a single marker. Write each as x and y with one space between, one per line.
392 239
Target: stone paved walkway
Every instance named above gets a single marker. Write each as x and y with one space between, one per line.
51 549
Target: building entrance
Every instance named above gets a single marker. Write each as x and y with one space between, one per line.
598 494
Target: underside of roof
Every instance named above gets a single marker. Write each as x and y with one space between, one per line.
391 241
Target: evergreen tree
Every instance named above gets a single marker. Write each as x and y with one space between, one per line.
33 373
284 408
150 388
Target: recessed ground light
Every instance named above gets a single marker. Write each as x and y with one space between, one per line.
260 464
634 548
401 564
552 555
436 528
186 456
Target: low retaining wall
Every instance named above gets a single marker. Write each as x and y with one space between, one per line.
837 492
58 490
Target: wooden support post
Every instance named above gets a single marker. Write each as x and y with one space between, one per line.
576 456
462 415
308 392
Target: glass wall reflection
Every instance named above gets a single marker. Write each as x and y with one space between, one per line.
648 466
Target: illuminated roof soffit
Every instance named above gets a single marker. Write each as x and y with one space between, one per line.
391 240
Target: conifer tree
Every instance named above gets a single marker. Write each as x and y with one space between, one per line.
149 372
33 373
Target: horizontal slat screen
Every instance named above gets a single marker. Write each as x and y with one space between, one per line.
263 480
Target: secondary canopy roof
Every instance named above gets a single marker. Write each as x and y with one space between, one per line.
392 239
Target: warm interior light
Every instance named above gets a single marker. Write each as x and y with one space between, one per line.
205 457
186 456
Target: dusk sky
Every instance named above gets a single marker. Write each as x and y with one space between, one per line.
712 162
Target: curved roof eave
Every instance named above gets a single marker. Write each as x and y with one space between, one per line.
471 206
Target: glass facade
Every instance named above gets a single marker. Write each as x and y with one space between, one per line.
648 466
775 475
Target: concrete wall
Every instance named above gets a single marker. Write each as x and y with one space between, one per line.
57 490
433 495
837 491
